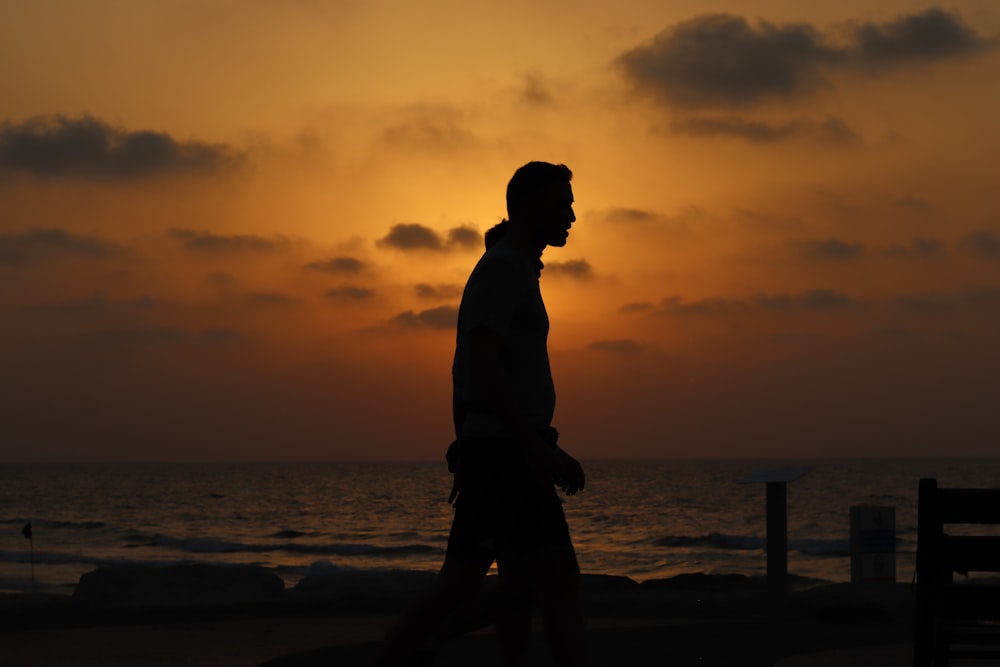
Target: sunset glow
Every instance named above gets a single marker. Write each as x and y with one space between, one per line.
239 230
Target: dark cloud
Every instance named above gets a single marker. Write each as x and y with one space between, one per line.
675 305
984 297
976 299
464 236
721 60
922 303
574 268
349 293
87 147
272 299
435 129
97 306
425 291
636 307
618 346
414 236
829 131
982 243
442 317
625 215
204 241
824 299
535 92
816 299
122 338
919 249
41 244
932 35
831 248
337 265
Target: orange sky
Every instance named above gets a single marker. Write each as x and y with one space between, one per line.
238 230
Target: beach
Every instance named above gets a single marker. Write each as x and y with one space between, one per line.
686 620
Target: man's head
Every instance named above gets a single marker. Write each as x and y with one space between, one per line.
540 198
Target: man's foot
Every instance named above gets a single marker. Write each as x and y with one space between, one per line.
423 657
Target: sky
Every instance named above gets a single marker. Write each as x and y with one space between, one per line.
238 230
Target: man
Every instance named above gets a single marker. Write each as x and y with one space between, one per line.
505 458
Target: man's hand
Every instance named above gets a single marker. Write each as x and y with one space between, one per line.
552 465
567 472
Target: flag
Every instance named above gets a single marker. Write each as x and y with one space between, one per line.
26 531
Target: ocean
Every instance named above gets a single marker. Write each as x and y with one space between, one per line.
641 519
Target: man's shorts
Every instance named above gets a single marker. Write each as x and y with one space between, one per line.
501 506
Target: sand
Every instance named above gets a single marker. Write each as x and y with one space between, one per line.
701 621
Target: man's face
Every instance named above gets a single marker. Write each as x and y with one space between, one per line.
555 216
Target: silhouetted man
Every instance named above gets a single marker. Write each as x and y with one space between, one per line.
506 460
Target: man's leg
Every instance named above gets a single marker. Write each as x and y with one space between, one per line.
518 592
558 575
457 583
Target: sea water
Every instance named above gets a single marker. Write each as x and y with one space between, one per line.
641 519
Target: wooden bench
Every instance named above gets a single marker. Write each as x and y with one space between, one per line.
956 618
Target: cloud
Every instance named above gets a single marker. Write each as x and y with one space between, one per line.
920 248
675 305
442 317
815 299
809 300
432 129
829 249
414 236
119 338
97 306
425 291
87 147
464 236
624 215
337 265
535 92
574 268
617 346
721 60
204 241
932 35
830 131
636 307
975 299
982 243
41 244
272 299
349 293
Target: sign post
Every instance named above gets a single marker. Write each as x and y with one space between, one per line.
873 545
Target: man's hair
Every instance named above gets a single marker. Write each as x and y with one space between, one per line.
531 182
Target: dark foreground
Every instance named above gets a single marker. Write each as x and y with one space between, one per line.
692 620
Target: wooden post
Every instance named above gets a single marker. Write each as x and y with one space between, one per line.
777 537
776 484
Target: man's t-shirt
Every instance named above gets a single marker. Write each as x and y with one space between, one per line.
503 295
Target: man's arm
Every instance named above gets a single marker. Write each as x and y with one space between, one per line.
548 462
